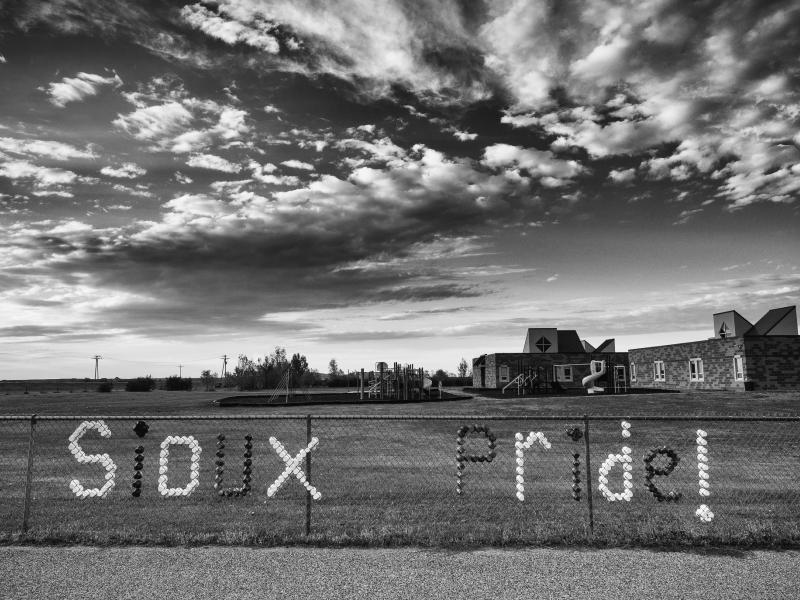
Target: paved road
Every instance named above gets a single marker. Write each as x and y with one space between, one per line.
217 573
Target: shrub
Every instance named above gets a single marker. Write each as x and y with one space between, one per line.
105 386
175 383
140 384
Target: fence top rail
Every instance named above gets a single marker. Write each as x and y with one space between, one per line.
300 417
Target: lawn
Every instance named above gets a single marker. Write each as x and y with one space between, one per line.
388 481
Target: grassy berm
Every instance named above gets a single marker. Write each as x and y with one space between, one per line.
393 481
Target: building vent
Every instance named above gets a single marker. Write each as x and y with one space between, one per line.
543 344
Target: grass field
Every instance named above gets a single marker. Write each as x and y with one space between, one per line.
389 481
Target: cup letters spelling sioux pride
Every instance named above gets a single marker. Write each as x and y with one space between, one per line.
293 465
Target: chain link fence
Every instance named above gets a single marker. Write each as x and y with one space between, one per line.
448 480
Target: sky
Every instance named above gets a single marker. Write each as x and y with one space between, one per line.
388 180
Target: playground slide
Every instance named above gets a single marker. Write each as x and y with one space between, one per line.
594 376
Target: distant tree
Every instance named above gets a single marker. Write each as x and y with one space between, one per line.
463 368
176 383
299 365
333 368
140 384
105 386
208 380
440 375
245 373
278 358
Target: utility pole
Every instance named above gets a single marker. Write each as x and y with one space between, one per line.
96 359
224 365
180 371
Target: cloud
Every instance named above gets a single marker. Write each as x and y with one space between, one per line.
686 215
428 48
297 164
156 123
230 31
374 236
124 171
43 177
538 163
45 149
171 119
83 85
463 136
212 162
622 175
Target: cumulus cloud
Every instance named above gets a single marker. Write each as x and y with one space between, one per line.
171 119
538 163
622 175
124 171
159 123
43 177
83 85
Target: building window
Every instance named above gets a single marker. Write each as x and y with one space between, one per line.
724 331
738 368
659 373
696 369
633 371
503 373
563 373
543 344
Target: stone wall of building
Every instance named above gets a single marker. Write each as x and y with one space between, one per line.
769 363
717 355
773 362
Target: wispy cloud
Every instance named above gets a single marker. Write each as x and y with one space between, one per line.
80 87
45 148
212 162
229 30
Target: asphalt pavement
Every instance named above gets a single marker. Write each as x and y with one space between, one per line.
218 573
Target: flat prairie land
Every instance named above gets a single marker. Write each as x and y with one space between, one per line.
387 472
160 402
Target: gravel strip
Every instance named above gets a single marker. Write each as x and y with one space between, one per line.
232 572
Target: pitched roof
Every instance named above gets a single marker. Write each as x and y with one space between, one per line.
768 322
570 342
607 346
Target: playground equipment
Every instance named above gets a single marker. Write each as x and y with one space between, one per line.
284 390
401 383
597 368
533 379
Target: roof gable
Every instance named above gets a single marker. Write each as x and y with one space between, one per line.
778 321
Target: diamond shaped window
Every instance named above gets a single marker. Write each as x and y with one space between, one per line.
543 344
723 331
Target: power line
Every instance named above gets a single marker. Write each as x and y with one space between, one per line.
224 358
97 358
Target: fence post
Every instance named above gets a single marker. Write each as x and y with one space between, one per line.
308 476
28 477
588 473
